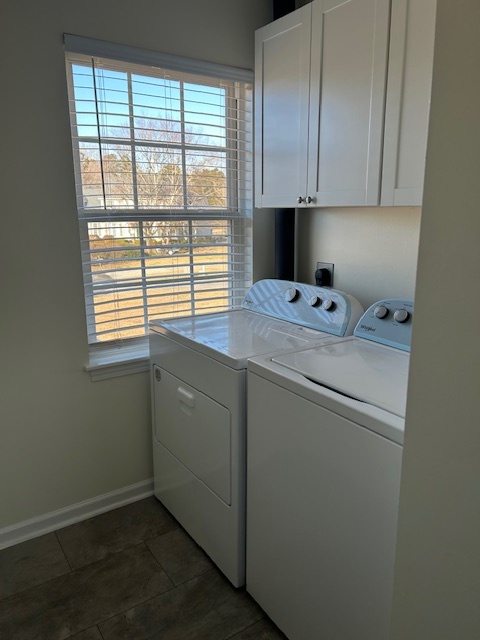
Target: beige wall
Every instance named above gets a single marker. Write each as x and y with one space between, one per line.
374 250
64 439
437 588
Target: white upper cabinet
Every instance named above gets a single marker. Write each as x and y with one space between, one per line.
408 101
330 129
347 98
319 103
282 81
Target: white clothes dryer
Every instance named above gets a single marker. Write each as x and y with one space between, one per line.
325 433
199 403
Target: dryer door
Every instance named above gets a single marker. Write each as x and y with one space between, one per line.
195 429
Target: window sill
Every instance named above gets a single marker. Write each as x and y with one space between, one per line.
113 362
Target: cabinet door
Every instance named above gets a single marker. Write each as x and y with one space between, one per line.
348 77
282 67
408 101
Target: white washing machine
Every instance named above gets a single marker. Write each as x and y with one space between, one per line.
325 433
199 403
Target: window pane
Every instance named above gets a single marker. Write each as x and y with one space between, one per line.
206 179
107 180
157 130
205 114
159 177
156 98
114 254
112 98
117 304
85 105
170 301
154 269
117 176
91 175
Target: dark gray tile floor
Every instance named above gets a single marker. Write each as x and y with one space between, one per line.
129 574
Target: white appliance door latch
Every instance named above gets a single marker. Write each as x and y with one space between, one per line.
184 396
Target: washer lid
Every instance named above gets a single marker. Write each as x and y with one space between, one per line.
357 368
233 336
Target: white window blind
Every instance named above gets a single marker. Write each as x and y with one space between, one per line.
163 172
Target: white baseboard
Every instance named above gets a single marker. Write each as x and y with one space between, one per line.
48 522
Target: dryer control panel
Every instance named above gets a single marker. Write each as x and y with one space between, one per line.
319 308
389 322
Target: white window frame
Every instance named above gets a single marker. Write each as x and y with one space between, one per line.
131 355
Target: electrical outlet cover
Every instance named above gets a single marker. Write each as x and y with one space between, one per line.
329 267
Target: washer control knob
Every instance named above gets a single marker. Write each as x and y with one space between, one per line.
328 304
291 294
381 312
314 301
401 315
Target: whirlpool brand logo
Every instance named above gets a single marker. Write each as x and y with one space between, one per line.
368 328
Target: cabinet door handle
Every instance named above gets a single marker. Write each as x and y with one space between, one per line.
300 199
309 200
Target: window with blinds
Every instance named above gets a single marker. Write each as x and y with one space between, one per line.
163 172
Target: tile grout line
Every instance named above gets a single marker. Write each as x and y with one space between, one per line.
95 626
232 637
158 595
111 554
37 586
141 602
168 575
120 613
164 533
63 550
74 570
156 559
